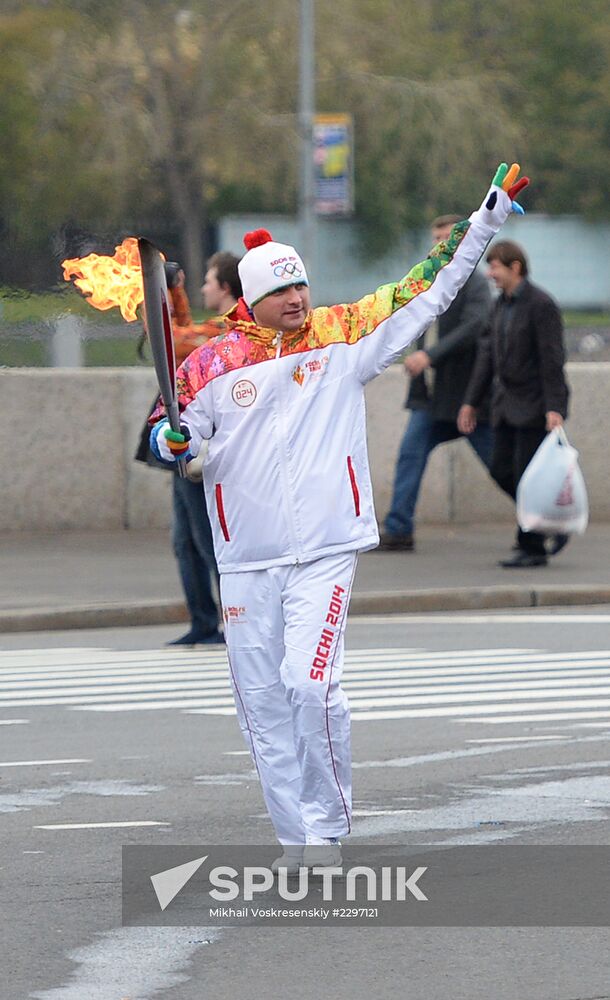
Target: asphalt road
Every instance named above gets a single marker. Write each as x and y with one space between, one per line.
474 729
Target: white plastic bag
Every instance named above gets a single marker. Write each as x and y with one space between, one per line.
551 495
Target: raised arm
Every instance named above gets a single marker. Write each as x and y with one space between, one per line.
383 324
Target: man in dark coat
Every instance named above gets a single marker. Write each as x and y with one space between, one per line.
522 360
439 376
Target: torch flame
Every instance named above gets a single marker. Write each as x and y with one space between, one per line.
110 281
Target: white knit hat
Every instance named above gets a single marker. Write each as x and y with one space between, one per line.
268 266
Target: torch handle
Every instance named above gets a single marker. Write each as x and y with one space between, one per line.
160 333
173 415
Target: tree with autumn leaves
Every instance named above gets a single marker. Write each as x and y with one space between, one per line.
125 115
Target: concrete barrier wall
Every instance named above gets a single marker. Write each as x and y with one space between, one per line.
66 451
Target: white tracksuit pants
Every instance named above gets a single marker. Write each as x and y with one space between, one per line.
285 628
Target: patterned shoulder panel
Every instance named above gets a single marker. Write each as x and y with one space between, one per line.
223 354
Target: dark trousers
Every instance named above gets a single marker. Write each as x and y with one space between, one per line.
514 448
421 437
194 549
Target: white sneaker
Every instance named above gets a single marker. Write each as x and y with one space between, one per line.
291 860
321 853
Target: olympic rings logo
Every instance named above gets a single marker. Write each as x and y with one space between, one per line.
287 270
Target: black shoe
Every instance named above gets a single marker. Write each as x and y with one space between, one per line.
557 543
396 543
523 560
193 638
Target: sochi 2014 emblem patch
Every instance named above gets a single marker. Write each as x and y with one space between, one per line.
236 615
298 375
244 392
310 370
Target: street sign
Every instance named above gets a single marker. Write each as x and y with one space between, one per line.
334 164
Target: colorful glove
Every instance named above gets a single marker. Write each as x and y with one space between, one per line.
169 445
507 180
178 443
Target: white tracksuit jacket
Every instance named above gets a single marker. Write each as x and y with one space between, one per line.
286 475
290 500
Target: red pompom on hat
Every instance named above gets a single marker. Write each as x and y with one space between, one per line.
268 266
257 238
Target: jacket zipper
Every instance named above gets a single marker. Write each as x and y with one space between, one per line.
283 457
354 485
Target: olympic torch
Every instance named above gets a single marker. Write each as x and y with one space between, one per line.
160 335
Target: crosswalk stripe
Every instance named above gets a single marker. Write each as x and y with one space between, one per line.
355 687
447 712
86 653
406 679
480 710
467 691
547 717
355 663
486 685
46 664
197 659
353 668
485 618
439 693
462 705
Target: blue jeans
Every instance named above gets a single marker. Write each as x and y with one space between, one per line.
421 437
194 550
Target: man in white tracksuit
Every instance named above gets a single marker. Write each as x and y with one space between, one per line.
279 396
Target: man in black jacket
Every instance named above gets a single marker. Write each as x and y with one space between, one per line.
522 360
439 376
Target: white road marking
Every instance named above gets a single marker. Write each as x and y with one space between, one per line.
13 722
514 739
360 659
381 812
99 826
547 717
397 688
53 657
36 763
217 666
448 755
480 710
483 684
590 725
467 618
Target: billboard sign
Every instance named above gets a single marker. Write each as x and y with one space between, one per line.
333 164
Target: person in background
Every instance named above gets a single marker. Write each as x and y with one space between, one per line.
191 532
522 361
439 375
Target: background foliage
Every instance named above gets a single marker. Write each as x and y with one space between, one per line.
158 117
